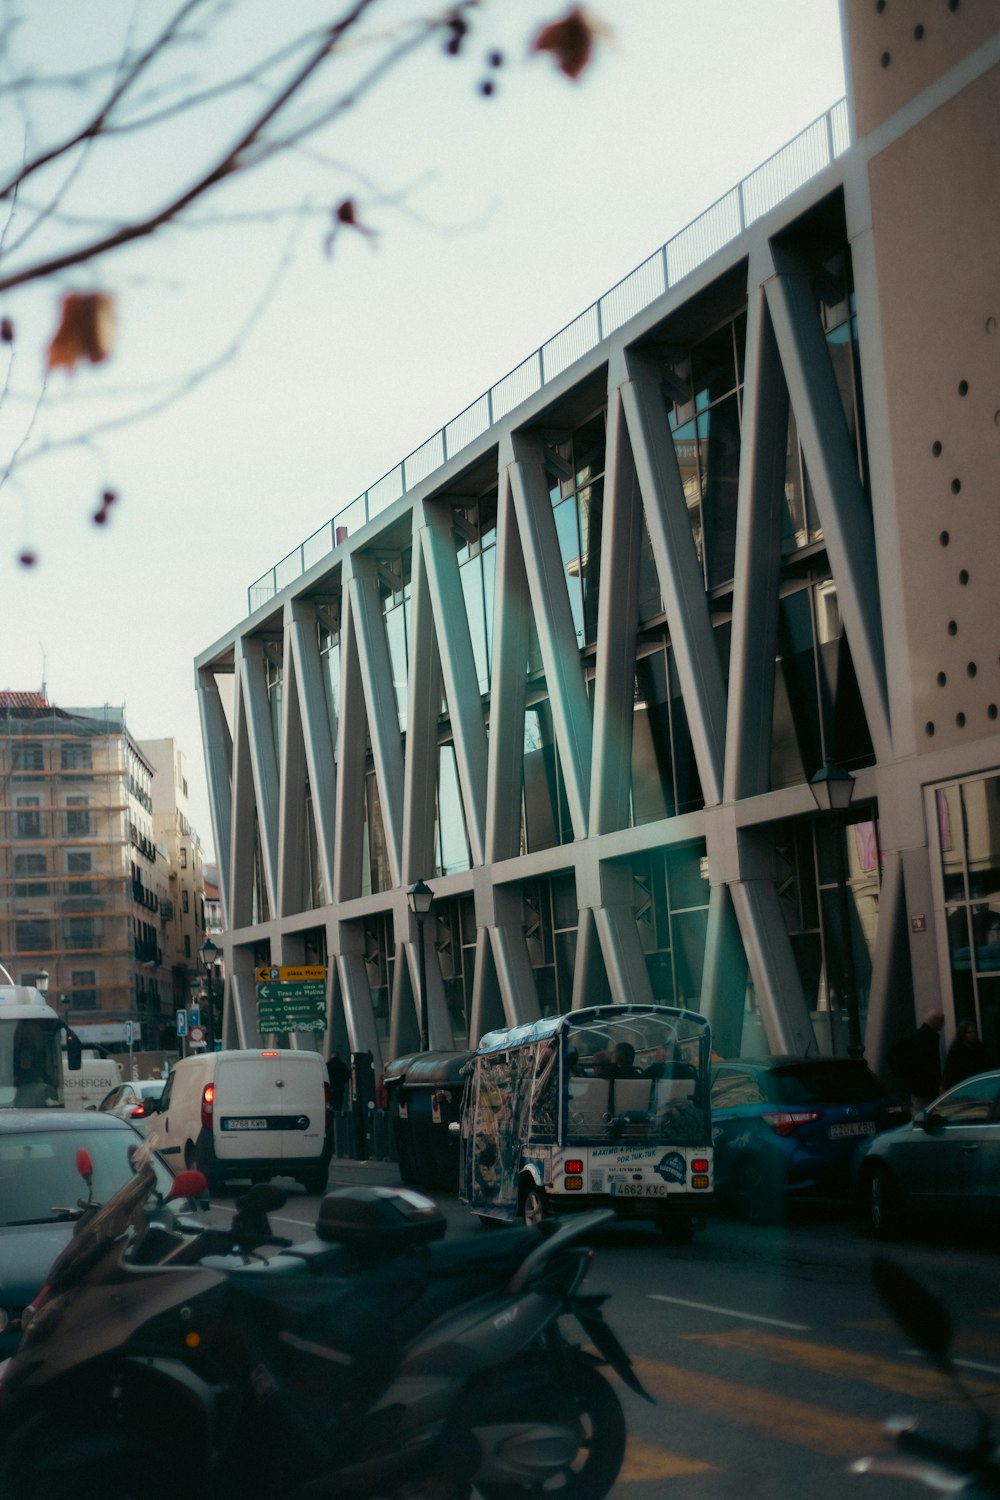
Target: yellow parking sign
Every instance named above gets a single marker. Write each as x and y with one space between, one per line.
278 975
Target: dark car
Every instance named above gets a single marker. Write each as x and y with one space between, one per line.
786 1129
944 1164
40 1193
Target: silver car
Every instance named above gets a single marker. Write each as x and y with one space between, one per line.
945 1163
134 1101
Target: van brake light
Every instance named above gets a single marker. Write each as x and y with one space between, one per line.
207 1106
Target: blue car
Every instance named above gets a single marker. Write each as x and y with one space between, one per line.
41 1192
786 1129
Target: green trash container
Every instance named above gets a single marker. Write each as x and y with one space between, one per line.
425 1092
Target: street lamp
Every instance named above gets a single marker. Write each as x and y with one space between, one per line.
209 954
833 788
421 899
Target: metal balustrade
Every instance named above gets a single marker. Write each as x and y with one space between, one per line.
799 160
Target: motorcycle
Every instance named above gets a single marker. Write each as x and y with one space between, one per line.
970 1469
374 1360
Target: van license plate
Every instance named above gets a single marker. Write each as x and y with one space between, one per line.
854 1127
244 1124
638 1190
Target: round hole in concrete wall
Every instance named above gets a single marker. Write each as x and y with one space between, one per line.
942 678
936 449
953 627
944 539
918 33
960 720
885 59
956 486
971 669
953 4
963 577
991 712
963 387
929 727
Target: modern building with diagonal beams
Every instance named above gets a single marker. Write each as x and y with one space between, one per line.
576 661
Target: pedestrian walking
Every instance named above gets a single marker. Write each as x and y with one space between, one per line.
966 1056
916 1060
339 1075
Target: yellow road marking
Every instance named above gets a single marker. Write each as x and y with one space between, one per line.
644 1461
782 1417
903 1379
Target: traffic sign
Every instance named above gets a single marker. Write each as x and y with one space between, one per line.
128 1033
311 972
194 1017
285 992
182 1023
196 1036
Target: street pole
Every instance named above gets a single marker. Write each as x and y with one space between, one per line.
848 985
422 966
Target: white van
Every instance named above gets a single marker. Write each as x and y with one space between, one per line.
86 1086
253 1113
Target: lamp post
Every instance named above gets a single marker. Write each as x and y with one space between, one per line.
421 899
209 954
833 788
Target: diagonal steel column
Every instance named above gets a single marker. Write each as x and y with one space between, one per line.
292 830
617 627
768 948
351 761
833 470
759 516
302 648
420 770
553 618
375 665
458 669
681 582
263 758
512 611
218 749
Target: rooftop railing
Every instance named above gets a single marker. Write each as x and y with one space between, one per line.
801 159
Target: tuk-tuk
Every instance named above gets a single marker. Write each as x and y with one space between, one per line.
600 1108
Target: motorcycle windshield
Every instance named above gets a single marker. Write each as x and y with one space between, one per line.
126 1209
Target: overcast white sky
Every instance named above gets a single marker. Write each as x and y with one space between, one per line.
518 212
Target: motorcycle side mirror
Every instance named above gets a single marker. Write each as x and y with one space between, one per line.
188 1184
919 1312
85 1164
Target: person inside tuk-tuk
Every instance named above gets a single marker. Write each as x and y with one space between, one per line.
624 1061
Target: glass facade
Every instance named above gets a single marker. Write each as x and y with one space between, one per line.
968 832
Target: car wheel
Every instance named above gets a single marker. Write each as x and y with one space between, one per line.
885 1205
534 1208
758 1198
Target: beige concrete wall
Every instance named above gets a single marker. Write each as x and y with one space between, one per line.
936 216
896 51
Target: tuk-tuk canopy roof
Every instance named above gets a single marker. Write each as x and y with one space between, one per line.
427 1069
538 1031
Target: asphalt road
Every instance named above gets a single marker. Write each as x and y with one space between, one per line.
771 1359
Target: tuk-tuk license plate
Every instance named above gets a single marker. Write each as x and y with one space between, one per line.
638 1190
244 1124
853 1127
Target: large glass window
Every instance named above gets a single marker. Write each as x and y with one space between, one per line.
30 865
670 898
546 819
665 778
577 494
968 829
451 837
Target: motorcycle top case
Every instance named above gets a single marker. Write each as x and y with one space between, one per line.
382 1219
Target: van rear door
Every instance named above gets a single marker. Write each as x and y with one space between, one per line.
270 1104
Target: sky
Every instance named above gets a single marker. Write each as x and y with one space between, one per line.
494 221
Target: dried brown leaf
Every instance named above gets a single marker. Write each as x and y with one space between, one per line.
86 330
571 41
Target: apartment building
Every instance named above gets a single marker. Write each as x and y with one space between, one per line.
182 914
79 865
670 664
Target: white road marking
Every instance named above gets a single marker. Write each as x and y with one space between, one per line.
731 1312
967 1364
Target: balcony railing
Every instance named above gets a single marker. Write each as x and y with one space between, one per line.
801 159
